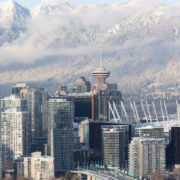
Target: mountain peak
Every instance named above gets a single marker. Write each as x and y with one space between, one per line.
144 2
49 7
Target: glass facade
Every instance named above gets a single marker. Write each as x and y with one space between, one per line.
60 133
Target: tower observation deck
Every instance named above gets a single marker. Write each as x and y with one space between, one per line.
101 74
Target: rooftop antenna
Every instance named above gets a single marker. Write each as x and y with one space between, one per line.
100 61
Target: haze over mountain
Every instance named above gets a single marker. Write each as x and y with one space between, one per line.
139 42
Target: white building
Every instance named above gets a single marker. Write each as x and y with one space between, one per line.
146 156
150 132
36 167
115 140
15 129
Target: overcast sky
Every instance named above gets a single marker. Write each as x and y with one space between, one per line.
32 3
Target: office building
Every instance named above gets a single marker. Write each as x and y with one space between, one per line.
60 133
37 106
35 167
149 132
15 129
146 156
173 150
115 140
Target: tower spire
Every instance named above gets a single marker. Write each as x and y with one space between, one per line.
100 62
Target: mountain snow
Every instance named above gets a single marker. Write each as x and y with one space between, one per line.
138 40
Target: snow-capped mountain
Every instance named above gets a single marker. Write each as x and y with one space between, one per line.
13 18
53 7
138 40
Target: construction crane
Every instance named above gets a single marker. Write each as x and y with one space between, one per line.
92 91
58 88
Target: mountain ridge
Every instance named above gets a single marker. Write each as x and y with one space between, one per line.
139 42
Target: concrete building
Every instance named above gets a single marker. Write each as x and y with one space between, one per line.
149 132
60 133
146 156
15 129
115 140
35 167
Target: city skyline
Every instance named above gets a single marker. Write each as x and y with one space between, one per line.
33 3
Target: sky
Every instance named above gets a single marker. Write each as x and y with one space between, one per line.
33 3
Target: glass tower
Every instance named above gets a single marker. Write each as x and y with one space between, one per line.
60 133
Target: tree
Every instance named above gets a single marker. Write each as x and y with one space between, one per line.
156 176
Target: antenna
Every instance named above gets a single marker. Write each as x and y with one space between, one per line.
100 63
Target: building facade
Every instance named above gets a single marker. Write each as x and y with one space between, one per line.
60 133
173 150
15 129
146 156
149 132
35 167
115 140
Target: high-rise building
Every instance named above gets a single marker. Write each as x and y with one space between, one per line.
115 140
35 167
146 156
15 129
149 132
173 150
60 133
37 107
